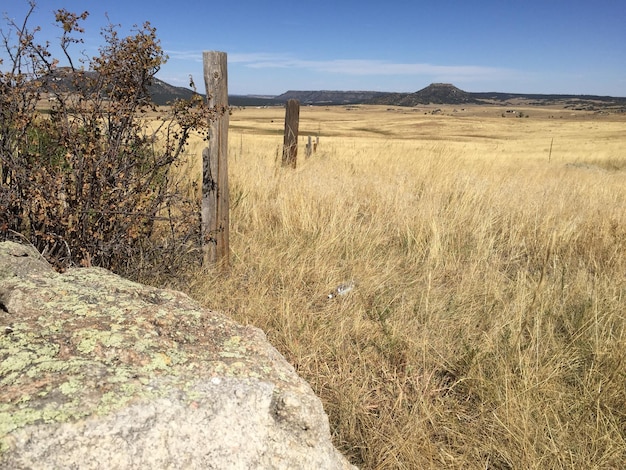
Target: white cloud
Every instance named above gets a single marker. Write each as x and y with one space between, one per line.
191 55
354 67
371 67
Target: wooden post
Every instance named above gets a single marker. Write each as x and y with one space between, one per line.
290 143
215 217
309 147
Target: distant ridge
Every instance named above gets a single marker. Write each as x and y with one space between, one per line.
448 94
331 97
163 93
433 94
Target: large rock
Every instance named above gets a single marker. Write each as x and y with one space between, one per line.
100 372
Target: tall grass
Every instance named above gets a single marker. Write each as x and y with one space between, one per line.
487 329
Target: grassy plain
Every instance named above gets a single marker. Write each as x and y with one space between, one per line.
487 329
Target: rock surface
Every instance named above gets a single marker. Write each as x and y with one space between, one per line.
100 372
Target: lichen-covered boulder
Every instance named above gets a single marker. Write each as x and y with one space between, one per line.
100 372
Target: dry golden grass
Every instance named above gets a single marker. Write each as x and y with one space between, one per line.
487 329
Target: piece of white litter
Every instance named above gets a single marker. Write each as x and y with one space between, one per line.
343 289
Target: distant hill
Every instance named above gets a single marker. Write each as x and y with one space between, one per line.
435 93
163 93
160 92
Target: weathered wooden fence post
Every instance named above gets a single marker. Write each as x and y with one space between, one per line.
290 143
309 147
215 217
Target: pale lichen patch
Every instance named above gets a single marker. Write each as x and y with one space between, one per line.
71 387
88 342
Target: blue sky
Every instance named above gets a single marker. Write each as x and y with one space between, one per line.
525 46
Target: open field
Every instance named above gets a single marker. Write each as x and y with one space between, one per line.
487 328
